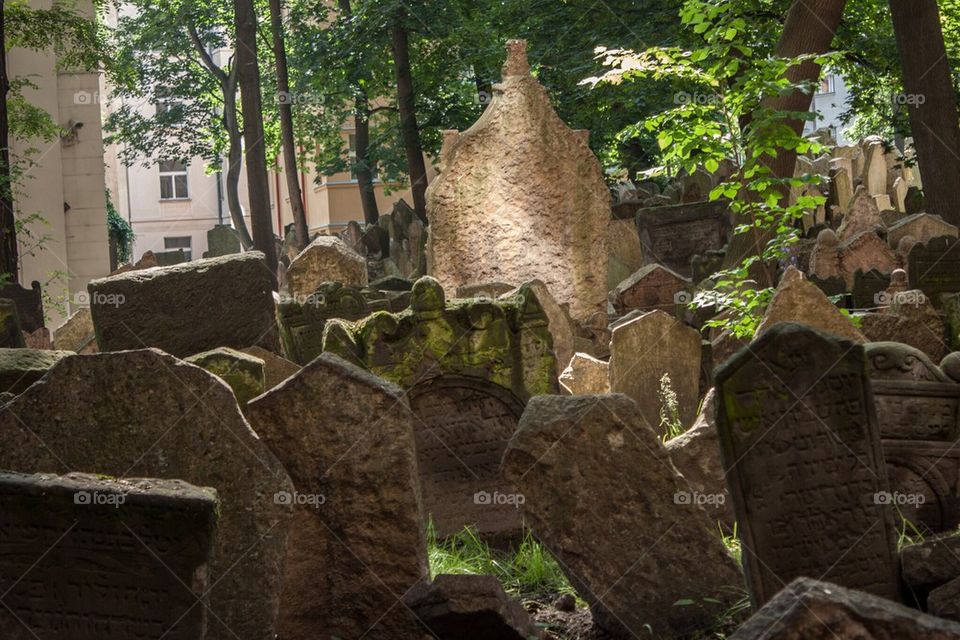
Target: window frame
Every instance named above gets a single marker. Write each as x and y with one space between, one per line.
172 176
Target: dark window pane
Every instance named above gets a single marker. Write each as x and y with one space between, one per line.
166 187
181 184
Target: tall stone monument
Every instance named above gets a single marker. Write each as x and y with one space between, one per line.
521 197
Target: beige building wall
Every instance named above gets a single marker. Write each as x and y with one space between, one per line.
65 186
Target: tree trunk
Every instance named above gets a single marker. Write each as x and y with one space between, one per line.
933 110
406 103
361 119
258 187
8 223
301 231
809 28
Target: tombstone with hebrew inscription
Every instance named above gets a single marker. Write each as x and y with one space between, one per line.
86 558
801 450
462 429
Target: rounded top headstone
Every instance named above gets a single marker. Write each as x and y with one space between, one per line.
427 295
898 277
828 237
951 366
516 64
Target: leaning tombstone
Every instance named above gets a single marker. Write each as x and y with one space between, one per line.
651 287
188 308
326 259
807 608
222 240
146 414
83 557
801 449
20 368
242 372
357 544
597 488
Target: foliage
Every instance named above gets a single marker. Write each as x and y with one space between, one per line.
725 115
670 422
120 232
528 570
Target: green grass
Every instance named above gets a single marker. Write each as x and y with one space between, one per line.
527 570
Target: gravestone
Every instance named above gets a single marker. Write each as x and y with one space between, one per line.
11 335
864 252
797 300
326 259
806 609
922 227
558 320
29 304
934 268
222 240
146 414
20 368
462 429
672 235
841 184
77 333
585 375
600 493
645 350
243 373
651 287
875 168
825 257
863 216
801 449
869 288
518 174
918 408
357 544
910 318
188 308
88 558
170 258
275 368
626 254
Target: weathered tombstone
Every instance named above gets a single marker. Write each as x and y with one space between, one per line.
910 318
20 368
875 168
275 368
841 184
918 408
469 607
651 287
797 300
222 240
29 304
462 429
864 252
558 320
650 354
863 216
626 253
898 194
170 258
801 449
585 375
11 335
600 493
500 188
326 259
825 257
357 544
914 200
807 609
87 558
923 227
146 414
189 308
77 333
243 373
934 268
869 288
672 235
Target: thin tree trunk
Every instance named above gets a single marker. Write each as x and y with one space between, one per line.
258 186
301 231
228 87
361 119
8 223
406 103
933 108
809 28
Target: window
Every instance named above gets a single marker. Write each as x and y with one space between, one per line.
828 84
179 242
173 180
